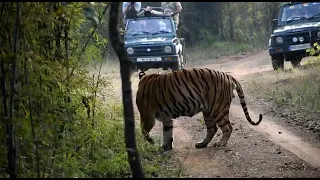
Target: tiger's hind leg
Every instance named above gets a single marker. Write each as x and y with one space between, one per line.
167 134
226 129
211 131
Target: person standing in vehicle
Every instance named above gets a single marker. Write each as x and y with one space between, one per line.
173 9
130 9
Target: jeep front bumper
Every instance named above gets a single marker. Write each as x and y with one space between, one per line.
286 49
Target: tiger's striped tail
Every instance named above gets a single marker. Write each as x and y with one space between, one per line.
243 104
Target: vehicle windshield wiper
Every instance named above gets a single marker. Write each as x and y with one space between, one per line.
316 15
143 32
162 31
296 18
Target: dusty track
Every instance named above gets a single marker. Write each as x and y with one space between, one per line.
268 150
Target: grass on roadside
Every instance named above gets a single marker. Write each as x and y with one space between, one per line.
204 52
296 91
155 164
299 88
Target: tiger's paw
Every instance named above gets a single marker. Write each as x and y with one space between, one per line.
168 146
200 145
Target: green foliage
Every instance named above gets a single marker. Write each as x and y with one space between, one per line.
78 125
248 22
214 29
313 51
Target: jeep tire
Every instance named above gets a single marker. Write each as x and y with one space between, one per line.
277 61
176 66
295 60
179 65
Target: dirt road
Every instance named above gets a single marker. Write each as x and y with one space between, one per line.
267 150
271 149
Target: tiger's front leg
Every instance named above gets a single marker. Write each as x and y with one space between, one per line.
147 123
167 134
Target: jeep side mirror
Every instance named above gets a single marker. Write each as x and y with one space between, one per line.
274 24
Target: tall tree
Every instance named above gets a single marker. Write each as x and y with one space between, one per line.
125 70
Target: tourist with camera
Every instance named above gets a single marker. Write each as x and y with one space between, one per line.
173 9
130 9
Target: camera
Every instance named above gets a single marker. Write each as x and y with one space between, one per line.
147 13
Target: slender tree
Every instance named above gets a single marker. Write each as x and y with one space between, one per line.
125 67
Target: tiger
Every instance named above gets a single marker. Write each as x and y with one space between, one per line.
185 93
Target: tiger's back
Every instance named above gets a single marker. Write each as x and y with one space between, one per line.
186 93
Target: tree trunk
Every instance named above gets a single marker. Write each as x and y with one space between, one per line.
230 21
11 139
125 70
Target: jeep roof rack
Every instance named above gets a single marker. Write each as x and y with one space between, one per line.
156 8
142 13
293 3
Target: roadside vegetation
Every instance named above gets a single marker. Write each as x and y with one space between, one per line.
66 121
208 51
220 29
294 93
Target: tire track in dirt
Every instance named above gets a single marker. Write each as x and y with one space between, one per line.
247 154
280 135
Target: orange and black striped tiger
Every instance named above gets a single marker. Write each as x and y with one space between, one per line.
186 93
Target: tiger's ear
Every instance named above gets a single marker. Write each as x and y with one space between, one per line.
141 74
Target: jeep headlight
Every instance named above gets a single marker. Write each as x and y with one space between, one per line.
130 50
167 49
318 34
295 39
279 40
301 39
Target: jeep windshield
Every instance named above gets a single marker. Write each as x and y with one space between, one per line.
149 26
302 12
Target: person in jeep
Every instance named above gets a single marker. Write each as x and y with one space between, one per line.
130 9
148 26
172 8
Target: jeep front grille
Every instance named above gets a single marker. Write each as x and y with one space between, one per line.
145 49
149 50
288 39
